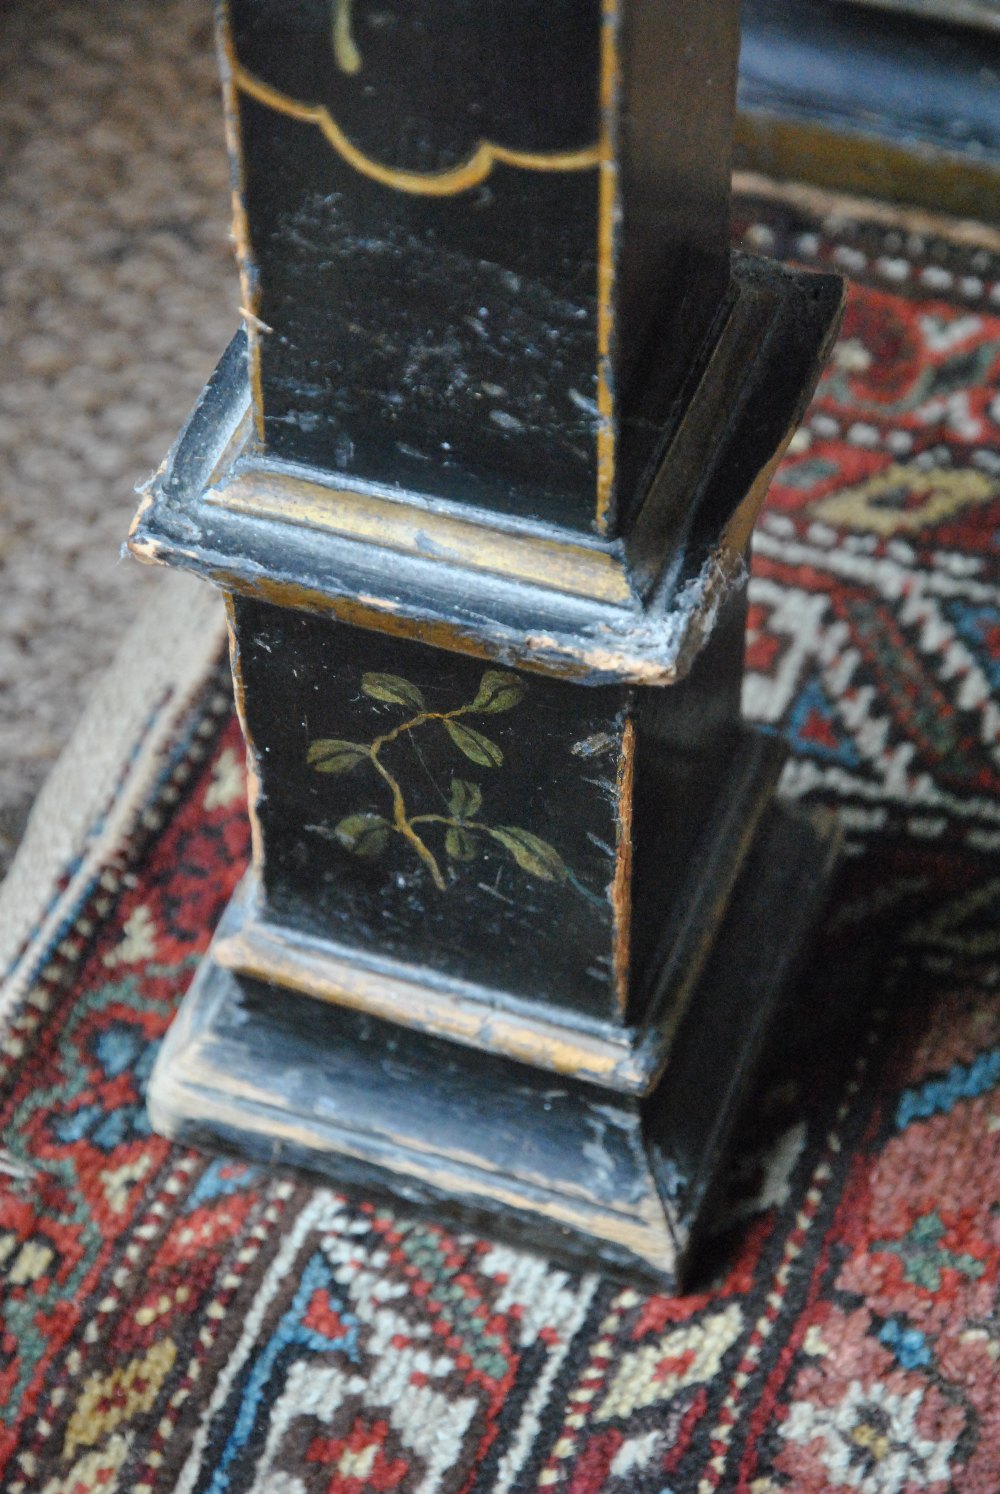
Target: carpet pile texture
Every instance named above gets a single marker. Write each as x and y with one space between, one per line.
176 1323
117 288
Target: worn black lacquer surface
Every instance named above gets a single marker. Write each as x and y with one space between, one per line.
541 777
515 855
448 337
564 1167
515 813
445 342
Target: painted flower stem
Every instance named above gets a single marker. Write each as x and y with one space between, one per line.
405 826
400 819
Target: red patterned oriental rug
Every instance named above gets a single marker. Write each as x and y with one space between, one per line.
176 1323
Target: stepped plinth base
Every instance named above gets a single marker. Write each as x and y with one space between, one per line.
616 1180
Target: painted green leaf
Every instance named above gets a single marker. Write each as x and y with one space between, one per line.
465 798
364 834
475 746
331 755
531 853
459 844
498 691
392 689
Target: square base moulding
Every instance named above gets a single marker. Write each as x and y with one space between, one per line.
589 1173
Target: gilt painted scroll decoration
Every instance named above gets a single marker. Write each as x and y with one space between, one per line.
465 175
327 90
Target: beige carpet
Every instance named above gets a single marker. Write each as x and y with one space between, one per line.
117 293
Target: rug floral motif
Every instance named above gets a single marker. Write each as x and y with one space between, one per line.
172 1322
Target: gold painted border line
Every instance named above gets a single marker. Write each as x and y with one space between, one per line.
606 212
255 788
468 174
621 886
577 570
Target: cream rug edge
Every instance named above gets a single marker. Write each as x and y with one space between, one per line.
103 776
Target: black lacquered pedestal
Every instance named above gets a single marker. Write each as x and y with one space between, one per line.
479 486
